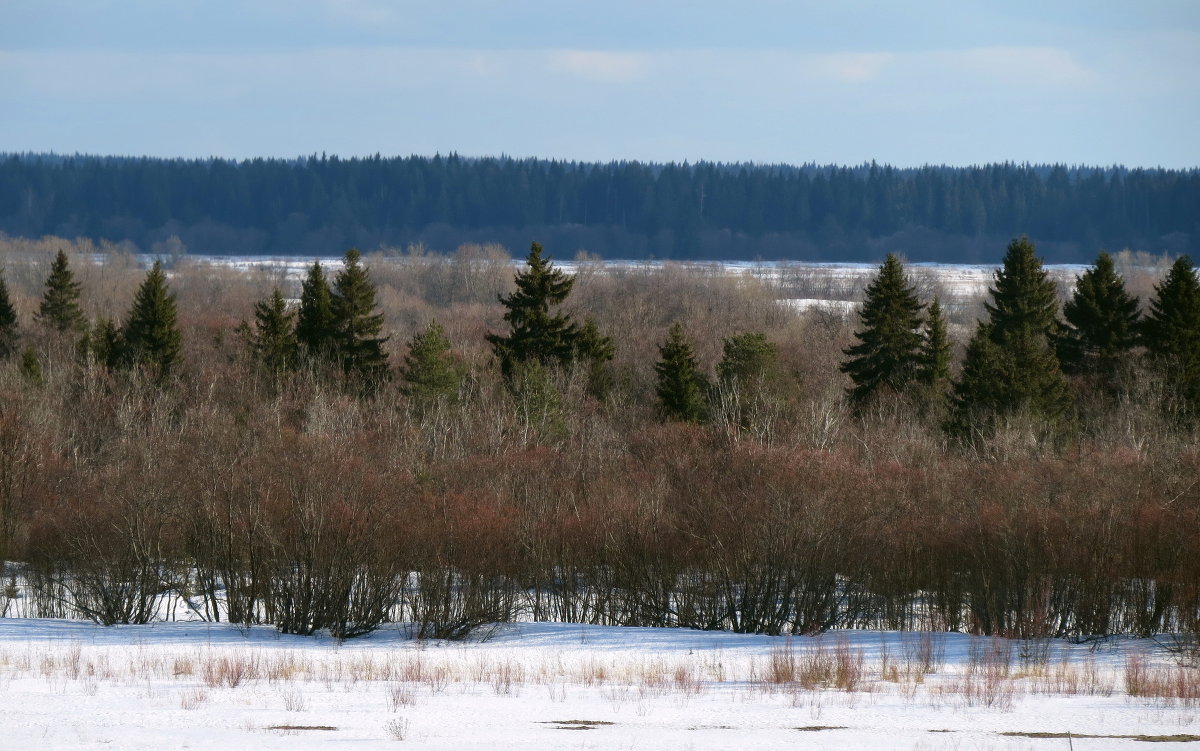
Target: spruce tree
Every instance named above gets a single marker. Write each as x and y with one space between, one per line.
680 386
1171 334
151 337
8 321
274 338
315 331
535 334
1010 364
430 371
59 308
104 343
747 358
933 362
356 324
1100 325
748 380
887 356
31 366
597 350
1024 298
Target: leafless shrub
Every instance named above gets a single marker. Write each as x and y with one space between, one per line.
230 671
293 701
398 729
1174 684
192 698
400 695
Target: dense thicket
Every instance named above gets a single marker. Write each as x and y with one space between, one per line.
617 210
294 498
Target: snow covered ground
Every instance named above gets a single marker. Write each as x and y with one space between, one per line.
842 281
70 685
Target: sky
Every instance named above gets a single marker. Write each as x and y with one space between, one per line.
957 82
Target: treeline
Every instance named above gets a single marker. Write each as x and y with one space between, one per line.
616 210
525 457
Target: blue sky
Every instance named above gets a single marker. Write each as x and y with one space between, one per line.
956 82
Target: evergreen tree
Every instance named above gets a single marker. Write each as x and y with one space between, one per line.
59 308
430 371
1010 364
681 386
274 338
104 344
535 334
357 343
1100 325
593 346
747 358
597 350
8 321
1024 297
31 366
1171 334
748 380
151 337
315 330
933 362
887 356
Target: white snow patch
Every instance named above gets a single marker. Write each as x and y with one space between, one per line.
69 685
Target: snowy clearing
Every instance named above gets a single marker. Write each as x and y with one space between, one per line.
69 685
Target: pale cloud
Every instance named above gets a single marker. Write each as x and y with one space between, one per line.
599 66
852 67
96 75
1026 66
363 13
747 102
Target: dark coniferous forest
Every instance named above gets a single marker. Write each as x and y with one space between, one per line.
308 205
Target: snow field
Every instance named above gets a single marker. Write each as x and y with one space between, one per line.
67 684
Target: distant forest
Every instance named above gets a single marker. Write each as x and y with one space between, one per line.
621 210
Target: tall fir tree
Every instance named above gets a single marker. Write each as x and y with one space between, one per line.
1171 335
887 356
1100 326
430 370
31 367
1010 364
274 338
534 333
315 330
933 361
104 343
1024 297
59 309
151 337
746 358
357 325
749 381
597 351
8 321
681 386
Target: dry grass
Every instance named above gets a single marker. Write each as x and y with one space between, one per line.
1172 685
804 670
192 698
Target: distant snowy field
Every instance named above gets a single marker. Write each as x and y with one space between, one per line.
802 286
72 685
